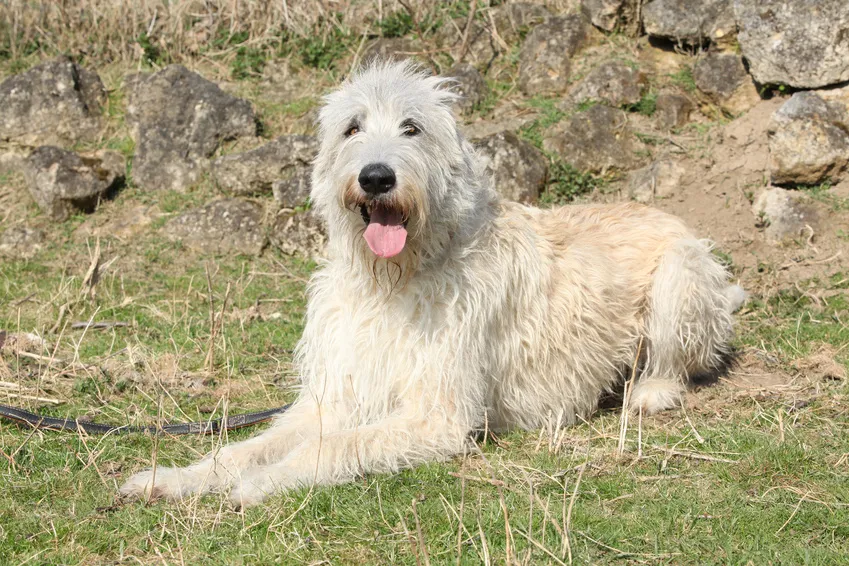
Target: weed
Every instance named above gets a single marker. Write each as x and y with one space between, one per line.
566 183
822 193
396 24
550 114
684 79
647 105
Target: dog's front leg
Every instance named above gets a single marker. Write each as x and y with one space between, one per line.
386 446
222 467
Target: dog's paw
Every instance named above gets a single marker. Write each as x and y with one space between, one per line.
253 487
655 395
166 483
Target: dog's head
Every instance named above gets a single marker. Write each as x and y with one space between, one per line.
394 179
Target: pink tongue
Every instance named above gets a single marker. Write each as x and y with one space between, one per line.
385 234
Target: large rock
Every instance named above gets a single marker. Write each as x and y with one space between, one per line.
296 232
808 140
62 182
284 162
470 84
179 119
596 140
221 227
55 103
804 44
519 170
613 15
781 214
724 79
689 21
612 82
544 60
659 180
672 110
21 242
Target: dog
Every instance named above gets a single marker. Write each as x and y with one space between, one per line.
443 310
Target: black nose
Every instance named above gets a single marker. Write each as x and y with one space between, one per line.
377 178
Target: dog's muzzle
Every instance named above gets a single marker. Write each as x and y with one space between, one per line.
386 224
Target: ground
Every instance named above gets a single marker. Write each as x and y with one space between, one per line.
753 470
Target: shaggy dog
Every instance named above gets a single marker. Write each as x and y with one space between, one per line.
443 310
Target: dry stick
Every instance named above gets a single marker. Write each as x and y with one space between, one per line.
626 400
210 352
568 526
460 518
419 535
155 453
542 548
693 455
473 5
410 539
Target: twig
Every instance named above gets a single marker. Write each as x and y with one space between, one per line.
473 6
694 455
494 482
542 548
419 535
568 526
98 325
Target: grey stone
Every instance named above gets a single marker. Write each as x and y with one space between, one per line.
808 140
660 180
804 44
62 182
672 110
596 140
221 227
612 15
299 233
612 82
470 85
179 119
21 242
282 162
54 103
781 214
724 79
689 21
519 170
544 60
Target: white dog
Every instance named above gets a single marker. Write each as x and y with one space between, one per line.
442 309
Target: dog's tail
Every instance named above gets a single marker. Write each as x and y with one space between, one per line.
736 297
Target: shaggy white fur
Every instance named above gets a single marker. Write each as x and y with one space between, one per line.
442 309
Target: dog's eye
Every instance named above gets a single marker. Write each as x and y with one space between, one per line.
352 129
410 130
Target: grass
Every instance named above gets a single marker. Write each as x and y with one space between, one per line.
743 476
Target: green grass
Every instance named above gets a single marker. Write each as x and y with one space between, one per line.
774 489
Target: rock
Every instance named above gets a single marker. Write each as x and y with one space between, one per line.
612 82
481 48
285 159
62 182
672 110
661 179
220 227
470 84
808 140
690 21
780 213
299 233
391 49
596 140
544 60
178 119
121 223
519 170
723 78
55 103
796 43
21 242
613 15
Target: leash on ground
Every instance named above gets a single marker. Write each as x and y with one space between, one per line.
233 422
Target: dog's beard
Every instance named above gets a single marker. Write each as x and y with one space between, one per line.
384 238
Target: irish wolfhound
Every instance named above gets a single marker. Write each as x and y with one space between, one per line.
442 309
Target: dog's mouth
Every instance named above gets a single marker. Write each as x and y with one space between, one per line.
386 228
